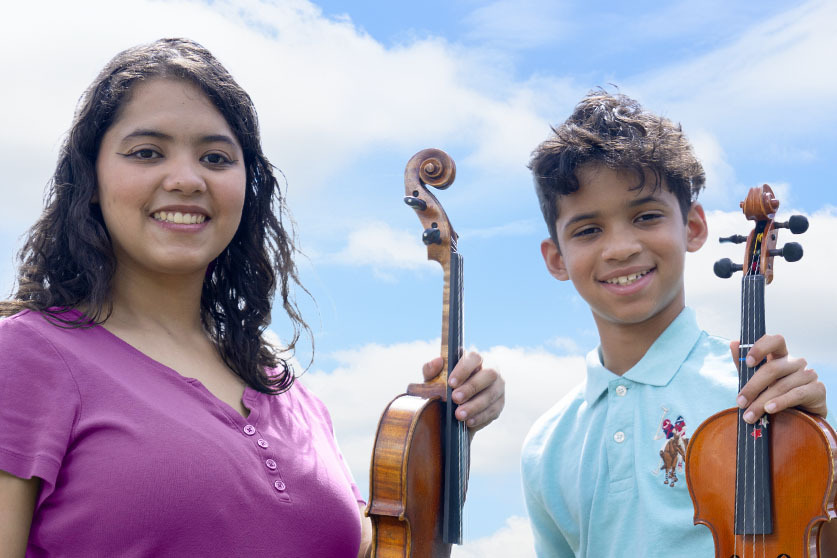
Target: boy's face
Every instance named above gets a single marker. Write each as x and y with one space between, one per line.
623 249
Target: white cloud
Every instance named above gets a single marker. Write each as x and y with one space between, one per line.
383 248
770 83
514 539
518 24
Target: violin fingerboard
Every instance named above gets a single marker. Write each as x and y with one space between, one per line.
455 435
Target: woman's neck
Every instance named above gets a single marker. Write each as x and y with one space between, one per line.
163 302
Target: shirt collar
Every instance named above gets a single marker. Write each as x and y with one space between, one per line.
659 364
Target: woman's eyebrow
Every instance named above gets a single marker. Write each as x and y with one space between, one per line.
151 133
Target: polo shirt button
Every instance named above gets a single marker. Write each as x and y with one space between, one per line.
262 443
249 429
621 391
619 437
279 485
270 464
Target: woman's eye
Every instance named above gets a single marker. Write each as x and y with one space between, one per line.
217 159
144 154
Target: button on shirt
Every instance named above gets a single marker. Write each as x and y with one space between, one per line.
603 470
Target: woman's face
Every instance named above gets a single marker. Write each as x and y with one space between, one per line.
171 180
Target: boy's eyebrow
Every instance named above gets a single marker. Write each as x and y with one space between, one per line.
644 200
147 132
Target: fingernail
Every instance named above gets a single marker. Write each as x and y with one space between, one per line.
749 416
742 401
471 422
462 415
458 396
770 407
453 381
750 361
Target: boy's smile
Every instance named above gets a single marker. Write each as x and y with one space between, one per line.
624 248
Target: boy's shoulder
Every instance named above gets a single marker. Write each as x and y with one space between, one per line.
559 419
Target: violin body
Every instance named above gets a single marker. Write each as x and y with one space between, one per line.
802 456
419 468
406 479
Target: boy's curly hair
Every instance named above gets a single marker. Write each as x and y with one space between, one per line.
614 130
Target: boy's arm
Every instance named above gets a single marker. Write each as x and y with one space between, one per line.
549 541
781 382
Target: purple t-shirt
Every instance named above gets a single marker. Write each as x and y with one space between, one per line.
137 460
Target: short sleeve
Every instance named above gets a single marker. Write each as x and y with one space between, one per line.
39 402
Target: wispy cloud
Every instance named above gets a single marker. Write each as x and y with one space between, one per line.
518 24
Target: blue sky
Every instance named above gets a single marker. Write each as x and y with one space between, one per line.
347 92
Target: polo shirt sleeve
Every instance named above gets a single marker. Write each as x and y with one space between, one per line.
39 402
549 541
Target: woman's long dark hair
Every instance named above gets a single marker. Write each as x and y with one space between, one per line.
67 260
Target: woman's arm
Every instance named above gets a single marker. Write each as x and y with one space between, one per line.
365 533
17 504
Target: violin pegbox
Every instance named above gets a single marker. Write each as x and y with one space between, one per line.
761 206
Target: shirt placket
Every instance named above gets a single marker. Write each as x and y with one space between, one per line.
619 435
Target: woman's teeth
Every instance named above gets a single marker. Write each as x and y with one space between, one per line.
626 279
179 218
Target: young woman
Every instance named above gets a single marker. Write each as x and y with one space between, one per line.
142 413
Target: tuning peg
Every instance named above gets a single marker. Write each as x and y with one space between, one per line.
797 224
431 236
415 203
792 251
735 239
725 268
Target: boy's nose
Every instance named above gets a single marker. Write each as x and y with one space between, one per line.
621 245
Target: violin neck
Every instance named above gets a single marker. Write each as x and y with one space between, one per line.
455 432
753 494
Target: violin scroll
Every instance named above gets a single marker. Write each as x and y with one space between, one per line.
435 168
761 206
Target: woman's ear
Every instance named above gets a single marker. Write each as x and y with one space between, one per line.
696 228
554 260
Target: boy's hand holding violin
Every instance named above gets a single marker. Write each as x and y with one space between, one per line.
782 381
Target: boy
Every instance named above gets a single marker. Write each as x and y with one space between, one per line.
603 469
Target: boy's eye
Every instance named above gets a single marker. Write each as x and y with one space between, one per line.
585 231
648 217
216 159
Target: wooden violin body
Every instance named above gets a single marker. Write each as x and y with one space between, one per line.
765 489
419 461
803 465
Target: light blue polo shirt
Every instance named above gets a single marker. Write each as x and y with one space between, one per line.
602 473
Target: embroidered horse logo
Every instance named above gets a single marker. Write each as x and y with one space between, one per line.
672 452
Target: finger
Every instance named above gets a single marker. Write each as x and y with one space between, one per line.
432 368
809 396
481 380
767 375
784 393
772 346
468 365
733 348
486 416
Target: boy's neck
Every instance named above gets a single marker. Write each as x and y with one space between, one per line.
624 345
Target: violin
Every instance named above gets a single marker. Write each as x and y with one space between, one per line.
765 489
419 469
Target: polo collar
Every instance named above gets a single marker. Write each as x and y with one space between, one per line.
659 364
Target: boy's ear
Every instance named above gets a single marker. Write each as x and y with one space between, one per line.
696 228
554 260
